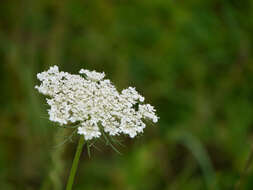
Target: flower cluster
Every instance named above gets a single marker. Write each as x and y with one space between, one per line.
94 103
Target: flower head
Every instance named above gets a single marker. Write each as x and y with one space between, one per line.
94 103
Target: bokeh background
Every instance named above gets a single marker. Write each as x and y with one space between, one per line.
191 59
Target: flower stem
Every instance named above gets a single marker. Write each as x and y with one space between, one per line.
75 163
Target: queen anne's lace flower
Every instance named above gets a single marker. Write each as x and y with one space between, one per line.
94 103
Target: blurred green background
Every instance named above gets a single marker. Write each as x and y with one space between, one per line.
191 59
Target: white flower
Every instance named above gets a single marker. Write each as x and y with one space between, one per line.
94 103
92 75
89 131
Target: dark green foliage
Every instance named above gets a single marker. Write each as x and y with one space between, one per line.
192 59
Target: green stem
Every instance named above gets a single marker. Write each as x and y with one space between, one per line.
245 170
75 163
